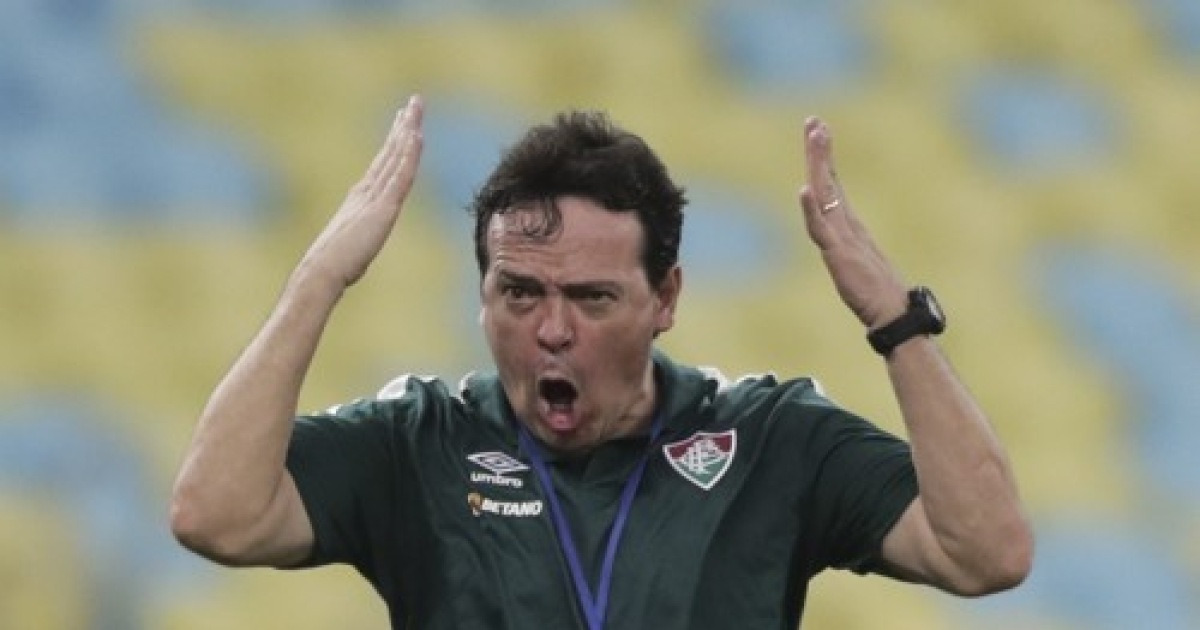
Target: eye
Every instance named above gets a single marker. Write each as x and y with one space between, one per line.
595 301
596 295
519 293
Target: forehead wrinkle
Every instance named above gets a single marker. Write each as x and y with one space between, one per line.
505 237
585 243
559 277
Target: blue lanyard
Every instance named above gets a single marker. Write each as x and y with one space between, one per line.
594 607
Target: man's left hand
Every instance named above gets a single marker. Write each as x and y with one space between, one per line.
864 278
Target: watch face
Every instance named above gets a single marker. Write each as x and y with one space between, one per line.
934 309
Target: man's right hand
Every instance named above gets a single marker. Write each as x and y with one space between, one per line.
234 500
360 227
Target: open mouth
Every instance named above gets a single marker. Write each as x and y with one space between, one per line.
559 393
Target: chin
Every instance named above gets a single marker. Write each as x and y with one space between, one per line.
571 440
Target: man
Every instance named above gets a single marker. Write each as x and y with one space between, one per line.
590 481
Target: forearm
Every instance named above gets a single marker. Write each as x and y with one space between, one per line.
234 467
967 487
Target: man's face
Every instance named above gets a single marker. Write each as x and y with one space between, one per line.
571 319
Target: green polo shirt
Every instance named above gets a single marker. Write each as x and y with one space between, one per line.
752 489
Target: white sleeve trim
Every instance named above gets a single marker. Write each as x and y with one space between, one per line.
397 387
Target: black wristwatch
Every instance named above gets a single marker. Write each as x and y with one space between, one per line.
923 317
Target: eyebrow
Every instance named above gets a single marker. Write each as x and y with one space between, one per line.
522 279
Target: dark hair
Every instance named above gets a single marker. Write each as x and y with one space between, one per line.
584 154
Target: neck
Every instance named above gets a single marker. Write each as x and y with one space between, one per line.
636 420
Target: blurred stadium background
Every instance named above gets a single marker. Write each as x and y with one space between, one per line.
163 164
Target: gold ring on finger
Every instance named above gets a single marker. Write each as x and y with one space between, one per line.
832 205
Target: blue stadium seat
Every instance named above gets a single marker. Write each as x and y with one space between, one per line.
351 9
728 239
22 102
59 448
1179 20
1138 318
85 141
1097 574
1033 122
781 48
464 139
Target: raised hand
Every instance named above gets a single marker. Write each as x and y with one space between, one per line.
864 278
360 227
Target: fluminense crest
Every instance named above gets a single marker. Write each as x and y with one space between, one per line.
704 457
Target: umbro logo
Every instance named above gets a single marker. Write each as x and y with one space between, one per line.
498 464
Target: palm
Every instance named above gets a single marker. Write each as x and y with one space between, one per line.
363 223
863 277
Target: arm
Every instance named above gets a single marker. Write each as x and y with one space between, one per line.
233 501
966 532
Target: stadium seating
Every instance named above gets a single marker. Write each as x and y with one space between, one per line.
164 164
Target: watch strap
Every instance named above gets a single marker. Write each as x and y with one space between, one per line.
921 318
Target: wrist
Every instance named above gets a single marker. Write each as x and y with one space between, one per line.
309 282
922 317
887 308
910 347
888 315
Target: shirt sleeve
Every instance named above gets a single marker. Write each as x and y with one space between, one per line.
342 462
863 481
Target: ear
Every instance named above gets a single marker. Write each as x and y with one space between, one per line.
668 297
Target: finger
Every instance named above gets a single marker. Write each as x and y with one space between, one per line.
389 145
815 221
856 225
822 176
387 170
828 193
413 143
401 182
417 105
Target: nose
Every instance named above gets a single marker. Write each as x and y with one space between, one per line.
555 332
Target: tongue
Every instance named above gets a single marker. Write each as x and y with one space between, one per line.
558 396
560 418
